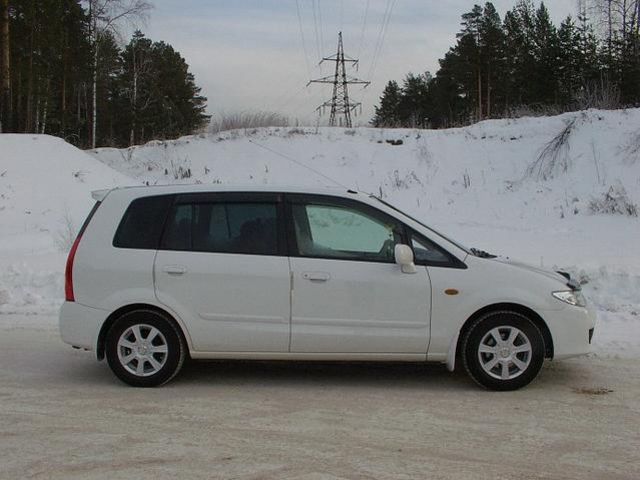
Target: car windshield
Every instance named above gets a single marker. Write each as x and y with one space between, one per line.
448 239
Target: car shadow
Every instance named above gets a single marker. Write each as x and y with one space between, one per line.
306 374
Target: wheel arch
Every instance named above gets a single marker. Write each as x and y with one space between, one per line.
115 315
515 307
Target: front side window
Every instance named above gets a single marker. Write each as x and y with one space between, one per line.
343 232
224 227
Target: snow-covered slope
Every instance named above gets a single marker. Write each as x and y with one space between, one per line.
45 194
489 184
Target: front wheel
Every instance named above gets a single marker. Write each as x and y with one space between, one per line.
503 350
144 349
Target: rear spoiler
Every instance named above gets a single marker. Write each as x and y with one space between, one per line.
98 195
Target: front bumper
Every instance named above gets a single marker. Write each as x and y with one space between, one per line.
80 325
572 330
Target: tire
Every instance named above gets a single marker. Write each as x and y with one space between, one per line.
506 363
145 349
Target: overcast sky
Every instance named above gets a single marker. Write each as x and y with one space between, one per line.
249 54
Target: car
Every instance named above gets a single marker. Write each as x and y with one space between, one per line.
159 274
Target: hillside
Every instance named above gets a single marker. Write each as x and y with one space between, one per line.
489 184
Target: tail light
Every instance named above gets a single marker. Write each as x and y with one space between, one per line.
68 271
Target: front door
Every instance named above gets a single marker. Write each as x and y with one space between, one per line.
222 267
348 294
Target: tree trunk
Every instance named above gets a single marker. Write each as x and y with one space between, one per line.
29 117
134 102
18 93
5 69
63 99
45 108
488 92
94 92
479 94
36 123
610 35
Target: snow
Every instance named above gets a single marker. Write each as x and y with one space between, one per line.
485 185
45 194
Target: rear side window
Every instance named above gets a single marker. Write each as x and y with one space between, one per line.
225 227
142 223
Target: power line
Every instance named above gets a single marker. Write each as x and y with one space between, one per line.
321 28
315 26
299 163
304 44
381 37
364 24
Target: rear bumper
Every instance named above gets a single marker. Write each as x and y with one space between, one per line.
80 325
572 330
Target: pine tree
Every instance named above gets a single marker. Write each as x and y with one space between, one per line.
545 55
387 114
492 48
415 102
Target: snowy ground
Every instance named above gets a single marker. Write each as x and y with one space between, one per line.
65 416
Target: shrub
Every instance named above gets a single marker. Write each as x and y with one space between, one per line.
614 201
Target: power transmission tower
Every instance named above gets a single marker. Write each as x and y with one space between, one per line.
341 107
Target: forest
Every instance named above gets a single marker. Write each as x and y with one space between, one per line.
523 64
64 72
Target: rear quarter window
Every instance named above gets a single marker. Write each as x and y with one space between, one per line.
142 223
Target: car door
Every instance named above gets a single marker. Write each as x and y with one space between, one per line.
349 295
222 267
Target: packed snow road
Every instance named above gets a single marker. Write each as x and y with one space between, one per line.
63 415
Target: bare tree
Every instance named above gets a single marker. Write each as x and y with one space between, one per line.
5 68
106 16
140 70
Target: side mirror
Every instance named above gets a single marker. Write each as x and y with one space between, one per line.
404 258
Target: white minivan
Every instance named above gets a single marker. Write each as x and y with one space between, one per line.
161 273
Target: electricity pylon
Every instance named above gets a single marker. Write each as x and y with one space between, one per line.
341 107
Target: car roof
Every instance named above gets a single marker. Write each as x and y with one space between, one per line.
222 188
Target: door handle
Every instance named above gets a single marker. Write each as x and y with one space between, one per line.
174 269
316 276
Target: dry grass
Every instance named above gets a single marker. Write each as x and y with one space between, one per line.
246 120
554 156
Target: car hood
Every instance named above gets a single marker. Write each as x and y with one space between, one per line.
531 268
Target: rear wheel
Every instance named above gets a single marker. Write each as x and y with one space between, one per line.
144 349
503 350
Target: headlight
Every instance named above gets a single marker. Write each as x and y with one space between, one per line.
571 297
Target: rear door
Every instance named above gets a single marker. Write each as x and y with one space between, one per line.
349 296
222 267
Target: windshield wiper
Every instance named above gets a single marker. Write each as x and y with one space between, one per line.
482 253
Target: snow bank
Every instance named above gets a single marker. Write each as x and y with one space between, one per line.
45 194
46 183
